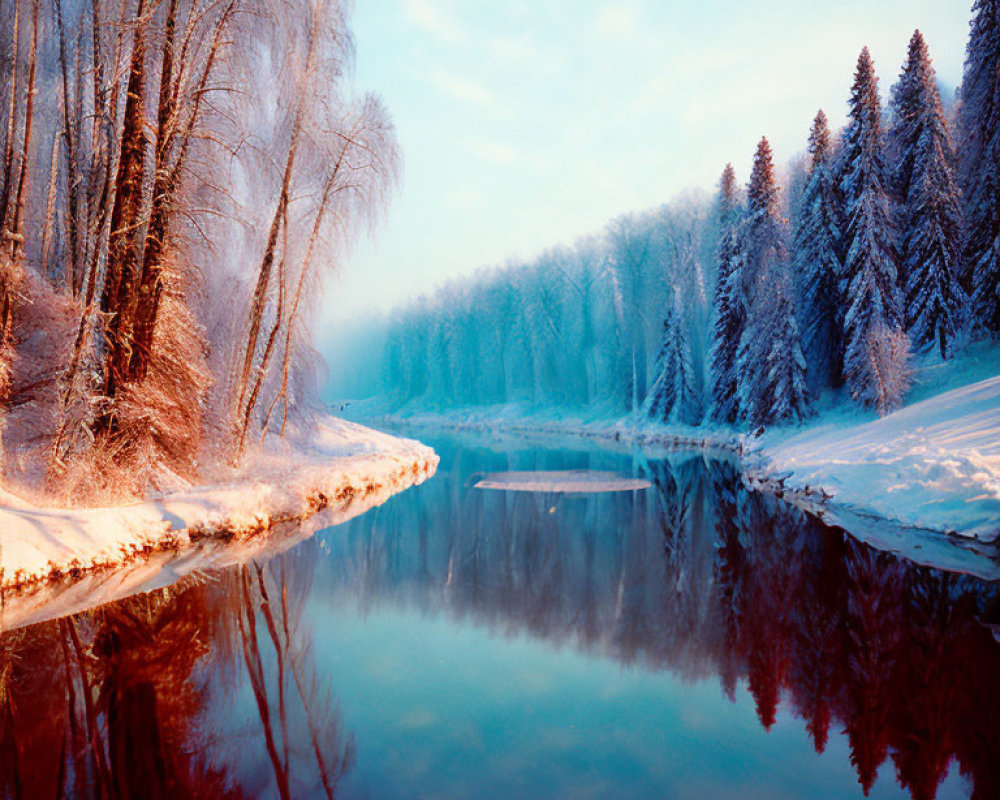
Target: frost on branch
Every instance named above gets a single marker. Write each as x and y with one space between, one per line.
887 375
174 178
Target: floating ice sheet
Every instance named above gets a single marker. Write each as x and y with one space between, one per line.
575 481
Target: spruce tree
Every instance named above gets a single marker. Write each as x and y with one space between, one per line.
905 98
816 244
979 170
869 286
927 204
729 312
787 394
762 240
672 398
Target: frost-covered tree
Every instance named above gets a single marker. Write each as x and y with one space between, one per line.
787 395
672 397
816 246
797 173
763 241
927 204
129 205
730 316
886 369
979 172
869 286
631 248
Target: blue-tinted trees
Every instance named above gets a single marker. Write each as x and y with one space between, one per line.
979 174
927 204
730 316
770 369
816 254
672 397
872 296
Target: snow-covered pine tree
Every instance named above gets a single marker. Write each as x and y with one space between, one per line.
979 170
762 240
787 394
816 255
927 204
730 316
672 397
905 97
869 286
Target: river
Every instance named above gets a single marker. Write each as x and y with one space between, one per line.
687 640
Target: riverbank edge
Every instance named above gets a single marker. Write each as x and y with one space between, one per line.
341 486
757 472
619 432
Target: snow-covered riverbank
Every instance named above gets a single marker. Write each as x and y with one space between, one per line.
516 419
933 465
334 466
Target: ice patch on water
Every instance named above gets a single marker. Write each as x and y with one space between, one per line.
561 481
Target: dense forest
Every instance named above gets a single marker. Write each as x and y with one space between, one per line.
174 177
564 329
748 307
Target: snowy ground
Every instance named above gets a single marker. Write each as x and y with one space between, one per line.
555 423
335 466
934 464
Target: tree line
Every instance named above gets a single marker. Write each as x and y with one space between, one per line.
576 327
173 177
870 266
883 245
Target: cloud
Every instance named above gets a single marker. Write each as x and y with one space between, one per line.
431 18
494 152
618 19
470 91
518 49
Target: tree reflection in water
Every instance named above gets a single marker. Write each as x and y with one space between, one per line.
210 688
124 701
702 577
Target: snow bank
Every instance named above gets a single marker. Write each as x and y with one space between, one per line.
934 464
334 464
555 423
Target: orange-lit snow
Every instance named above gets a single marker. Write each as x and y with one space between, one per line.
333 464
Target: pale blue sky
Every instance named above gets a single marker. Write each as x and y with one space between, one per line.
526 123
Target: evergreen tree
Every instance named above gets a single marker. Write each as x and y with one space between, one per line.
729 312
787 395
927 204
816 244
764 276
672 398
869 285
979 172
905 98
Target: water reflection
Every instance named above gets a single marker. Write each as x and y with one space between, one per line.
134 699
701 577
213 688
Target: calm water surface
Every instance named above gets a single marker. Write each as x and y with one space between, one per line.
691 640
